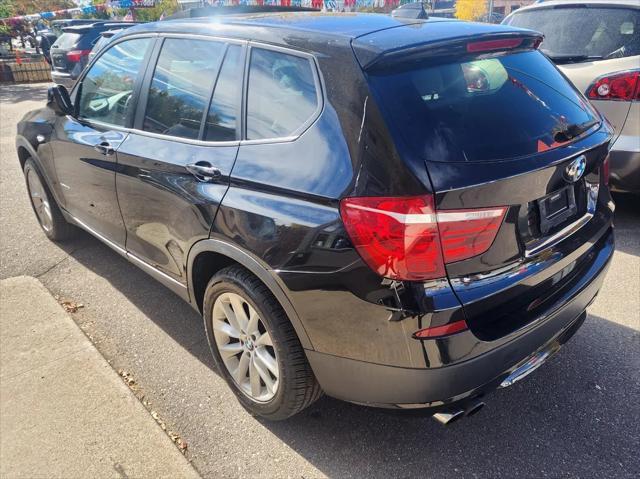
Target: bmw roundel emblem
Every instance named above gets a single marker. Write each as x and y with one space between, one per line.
575 170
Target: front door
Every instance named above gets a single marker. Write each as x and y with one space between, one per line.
85 146
175 164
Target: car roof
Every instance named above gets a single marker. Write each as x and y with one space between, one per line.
310 30
96 26
562 3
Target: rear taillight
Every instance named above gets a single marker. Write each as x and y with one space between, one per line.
74 56
620 86
404 238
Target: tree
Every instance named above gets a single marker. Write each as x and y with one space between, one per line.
28 7
471 9
167 7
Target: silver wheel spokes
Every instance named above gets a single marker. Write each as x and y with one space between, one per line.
40 200
245 346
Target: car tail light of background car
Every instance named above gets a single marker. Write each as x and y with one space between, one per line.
624 86
74 56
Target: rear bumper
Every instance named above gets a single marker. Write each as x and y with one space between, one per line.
388 386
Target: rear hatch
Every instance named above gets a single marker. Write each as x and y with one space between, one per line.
515 155
64 44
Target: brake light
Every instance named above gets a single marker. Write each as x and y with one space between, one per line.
494 45
404 238
621 86
74 56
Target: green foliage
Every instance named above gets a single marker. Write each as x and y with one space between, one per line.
152 14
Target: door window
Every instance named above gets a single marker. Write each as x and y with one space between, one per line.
108 86
223 113
181 86
282 94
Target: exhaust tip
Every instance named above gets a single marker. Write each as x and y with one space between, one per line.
474 409
447 418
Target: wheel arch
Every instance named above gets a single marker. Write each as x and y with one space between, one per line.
209 256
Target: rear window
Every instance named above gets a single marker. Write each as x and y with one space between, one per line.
67 40
584 33
483 110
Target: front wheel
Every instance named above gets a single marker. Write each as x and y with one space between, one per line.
44 205
255 346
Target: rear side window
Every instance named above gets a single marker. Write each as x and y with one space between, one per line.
223 114
482 110
584 33
181 86
282 94
106 89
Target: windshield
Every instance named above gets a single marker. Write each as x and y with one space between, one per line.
582 34
483 110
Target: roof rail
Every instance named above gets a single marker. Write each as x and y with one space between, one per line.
199 12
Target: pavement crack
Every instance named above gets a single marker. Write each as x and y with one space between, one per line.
39 275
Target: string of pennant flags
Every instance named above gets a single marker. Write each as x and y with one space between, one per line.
110 6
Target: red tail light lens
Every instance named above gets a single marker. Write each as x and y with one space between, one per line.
468 233
622 87
494 45
74 56
405 239
396 237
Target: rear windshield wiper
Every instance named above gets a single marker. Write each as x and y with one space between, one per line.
574 130
572 58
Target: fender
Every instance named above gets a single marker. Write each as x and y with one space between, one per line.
256 267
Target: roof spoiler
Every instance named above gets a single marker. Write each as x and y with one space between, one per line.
199 12
414 11
486 44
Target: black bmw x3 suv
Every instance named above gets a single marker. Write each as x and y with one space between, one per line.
399 213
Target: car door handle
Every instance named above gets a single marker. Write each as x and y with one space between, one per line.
105 148
204 171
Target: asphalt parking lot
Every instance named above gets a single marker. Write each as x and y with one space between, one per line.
578 416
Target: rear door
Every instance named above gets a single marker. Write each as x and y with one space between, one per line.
174 166
517 153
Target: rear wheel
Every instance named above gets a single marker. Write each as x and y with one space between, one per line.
255 346
44 205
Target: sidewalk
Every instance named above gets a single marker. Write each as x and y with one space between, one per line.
64 412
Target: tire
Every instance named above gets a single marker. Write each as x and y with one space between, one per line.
296 386
44 205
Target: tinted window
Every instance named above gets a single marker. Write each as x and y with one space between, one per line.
282 94
107 88
574 32
489 109
181 86
223 112
67 40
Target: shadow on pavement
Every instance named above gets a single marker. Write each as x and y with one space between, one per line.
627 220
576 416
19 92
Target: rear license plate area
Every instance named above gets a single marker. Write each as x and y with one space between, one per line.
557 208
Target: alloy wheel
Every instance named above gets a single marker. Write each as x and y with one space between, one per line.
245 347
40 200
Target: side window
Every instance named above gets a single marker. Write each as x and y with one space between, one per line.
108 86
282 94
223 113
181 86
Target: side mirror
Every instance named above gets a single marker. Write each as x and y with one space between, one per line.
59 100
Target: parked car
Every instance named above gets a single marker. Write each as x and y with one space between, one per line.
103 41
398 213
596 44
70 52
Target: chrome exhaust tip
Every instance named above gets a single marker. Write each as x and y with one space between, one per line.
448 417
